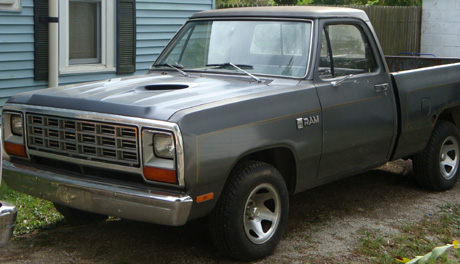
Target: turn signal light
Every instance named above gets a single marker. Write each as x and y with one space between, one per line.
162 175
15 149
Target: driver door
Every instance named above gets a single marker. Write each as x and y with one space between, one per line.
357 102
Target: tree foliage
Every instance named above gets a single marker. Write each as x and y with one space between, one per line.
326 2
366 2
286 2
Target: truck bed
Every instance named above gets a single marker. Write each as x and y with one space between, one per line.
424 87
404 63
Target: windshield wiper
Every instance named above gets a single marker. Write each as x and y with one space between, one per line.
176 67
223 65
238 67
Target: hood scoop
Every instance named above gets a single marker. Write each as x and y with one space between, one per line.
165 86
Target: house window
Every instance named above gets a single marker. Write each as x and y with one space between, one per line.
84 32
87 32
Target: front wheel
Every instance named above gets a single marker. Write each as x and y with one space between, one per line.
437 166
251 214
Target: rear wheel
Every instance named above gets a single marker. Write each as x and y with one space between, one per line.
75 215
437 166
251 214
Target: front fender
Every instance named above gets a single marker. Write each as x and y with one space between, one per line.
216 136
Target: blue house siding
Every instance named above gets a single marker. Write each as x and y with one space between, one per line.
17 52
157 21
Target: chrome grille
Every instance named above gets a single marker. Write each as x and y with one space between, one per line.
84 139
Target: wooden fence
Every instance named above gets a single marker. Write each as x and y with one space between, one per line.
397 27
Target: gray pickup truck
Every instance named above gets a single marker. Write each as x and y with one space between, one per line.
243 107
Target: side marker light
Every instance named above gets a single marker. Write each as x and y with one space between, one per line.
204 197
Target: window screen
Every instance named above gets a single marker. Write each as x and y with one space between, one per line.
84 32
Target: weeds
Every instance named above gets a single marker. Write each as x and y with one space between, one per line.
430 256
418 239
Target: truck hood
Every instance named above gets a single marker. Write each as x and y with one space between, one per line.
155 96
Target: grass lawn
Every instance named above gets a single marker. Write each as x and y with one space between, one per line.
33 213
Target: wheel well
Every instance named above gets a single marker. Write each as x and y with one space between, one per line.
280 158
452 115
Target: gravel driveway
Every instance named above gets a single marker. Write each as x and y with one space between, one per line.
323 227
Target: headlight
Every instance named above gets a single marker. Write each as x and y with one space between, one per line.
16 125
164 146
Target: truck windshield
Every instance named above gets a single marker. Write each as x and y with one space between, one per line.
260 47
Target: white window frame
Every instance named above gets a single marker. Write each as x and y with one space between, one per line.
107 40
10 5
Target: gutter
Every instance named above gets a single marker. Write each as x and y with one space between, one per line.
53 27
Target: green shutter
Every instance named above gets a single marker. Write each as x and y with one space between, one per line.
41 39
126 36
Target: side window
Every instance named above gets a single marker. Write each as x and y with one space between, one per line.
325 67
345 50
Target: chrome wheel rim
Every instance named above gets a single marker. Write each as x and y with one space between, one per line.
262 213
448 158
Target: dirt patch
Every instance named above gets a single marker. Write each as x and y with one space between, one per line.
324 226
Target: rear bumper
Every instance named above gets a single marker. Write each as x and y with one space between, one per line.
8 213
136 203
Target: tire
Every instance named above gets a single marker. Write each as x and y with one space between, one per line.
251 214
437 167
78 216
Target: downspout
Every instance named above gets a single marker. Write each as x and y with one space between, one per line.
53 68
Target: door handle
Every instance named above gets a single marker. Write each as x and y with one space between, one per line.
381 87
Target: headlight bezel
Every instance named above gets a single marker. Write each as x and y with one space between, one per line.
13 139
161 163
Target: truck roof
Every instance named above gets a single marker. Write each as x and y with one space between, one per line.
285 11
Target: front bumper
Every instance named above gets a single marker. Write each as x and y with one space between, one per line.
136 203
8 213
